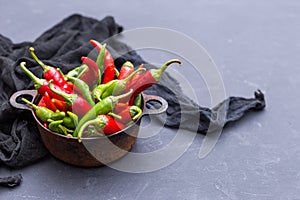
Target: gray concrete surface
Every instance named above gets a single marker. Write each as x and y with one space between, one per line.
255 44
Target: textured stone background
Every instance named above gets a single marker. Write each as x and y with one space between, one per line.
255 44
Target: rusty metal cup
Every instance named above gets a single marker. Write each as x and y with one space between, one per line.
101 150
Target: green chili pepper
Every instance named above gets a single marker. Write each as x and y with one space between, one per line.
106 123
71 120
107 91
100 62
102 107
98 90
138 100
56 126
97 121
120 85
135 112
114 87
53 126
44 113
84 89
68 122
78 71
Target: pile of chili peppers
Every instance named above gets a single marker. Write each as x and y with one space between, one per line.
94 98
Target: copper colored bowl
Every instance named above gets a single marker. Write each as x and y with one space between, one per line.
92 151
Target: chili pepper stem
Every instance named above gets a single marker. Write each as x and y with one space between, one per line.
65 130
69 98
84 69
61 73
34 56
117 73
78 71
114 115
166 65
37 82
28 102
116 98
128 78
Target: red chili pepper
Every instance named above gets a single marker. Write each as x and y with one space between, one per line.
74 103
129 114
111 125
108 59
91 75
42 102
48 102
149 78
126 69
105 122
135 77
109 65
125 116
52 73
75 89
120 107
60 105
109 73
131 100
71 85
41 85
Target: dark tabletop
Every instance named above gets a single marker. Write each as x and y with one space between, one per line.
254 44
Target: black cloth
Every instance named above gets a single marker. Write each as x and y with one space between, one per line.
11 181
62 46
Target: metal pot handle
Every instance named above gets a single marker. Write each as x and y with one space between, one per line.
162 101
13 98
